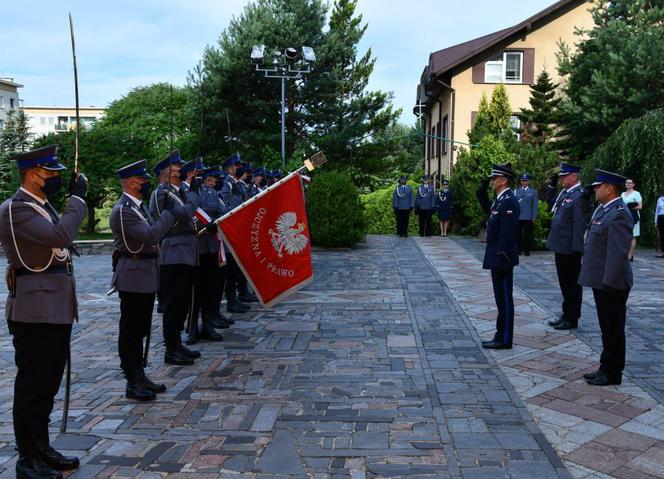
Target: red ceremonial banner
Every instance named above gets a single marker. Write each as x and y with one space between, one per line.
269 237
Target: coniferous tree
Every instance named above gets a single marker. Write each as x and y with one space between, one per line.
538 121
14 138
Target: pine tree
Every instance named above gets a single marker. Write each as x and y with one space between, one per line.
538 121
14 138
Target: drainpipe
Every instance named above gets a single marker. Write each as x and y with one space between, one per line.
451 120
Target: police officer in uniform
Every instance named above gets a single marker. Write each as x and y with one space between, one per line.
257 182
205 283
179 254
527 198
444 207
501 255
425 200
402 203
230 193
41 304
136 238
571 212
607 270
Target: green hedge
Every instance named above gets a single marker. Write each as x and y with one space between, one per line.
380 217
336 215
636 150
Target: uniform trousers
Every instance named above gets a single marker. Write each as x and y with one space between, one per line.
233 274
41 352
611 312
502 291
177 282
568 267
222 275
205 287
425 222
135 321
525 235
402 222
660 228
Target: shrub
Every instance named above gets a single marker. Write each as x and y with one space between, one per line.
336 215
636 150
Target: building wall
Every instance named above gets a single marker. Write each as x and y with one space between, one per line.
437 152
545 42
46 120
8 95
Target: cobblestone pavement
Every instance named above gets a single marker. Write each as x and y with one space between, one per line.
599 432
372 371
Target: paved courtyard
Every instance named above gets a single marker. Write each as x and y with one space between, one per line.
375 370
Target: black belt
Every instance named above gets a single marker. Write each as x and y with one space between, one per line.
67 268
179 233
139 255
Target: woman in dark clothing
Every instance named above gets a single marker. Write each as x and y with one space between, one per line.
444 207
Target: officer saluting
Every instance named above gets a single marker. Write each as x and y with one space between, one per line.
425 200
41 305
607 270
136 238
179 253
571 212
402 202
501 255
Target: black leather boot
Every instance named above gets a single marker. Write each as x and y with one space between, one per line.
186 352
233 305
146 382
31 466
208 333
135 390
176 358
56 460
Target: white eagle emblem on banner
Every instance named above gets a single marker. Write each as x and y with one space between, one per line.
287 235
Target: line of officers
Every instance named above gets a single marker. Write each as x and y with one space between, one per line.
160 249
591 247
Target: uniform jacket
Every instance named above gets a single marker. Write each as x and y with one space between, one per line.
233 192
180 245
134 231
444 200
527 198
402 198
501 233
212 204
572 211
254 189
605 263
425 197
47 297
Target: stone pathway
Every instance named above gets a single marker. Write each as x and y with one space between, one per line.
373 371
599 432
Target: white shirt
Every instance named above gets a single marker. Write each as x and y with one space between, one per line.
502 193
659 209
573 187
136 201
35 197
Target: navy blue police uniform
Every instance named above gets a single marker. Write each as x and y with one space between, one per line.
402 203
425 201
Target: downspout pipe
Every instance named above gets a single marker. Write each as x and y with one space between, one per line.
451 120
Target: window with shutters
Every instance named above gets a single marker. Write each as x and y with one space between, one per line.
506 67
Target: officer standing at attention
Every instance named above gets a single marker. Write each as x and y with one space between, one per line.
425 200
179 254
607 270
527 198
205 283
501 255
41 304
444 207
571 212
229 191
136 238
257 180
402 202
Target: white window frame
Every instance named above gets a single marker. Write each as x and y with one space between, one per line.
503 64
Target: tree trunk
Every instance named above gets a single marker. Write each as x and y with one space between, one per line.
92 221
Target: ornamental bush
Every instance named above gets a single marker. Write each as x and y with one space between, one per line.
336 215
636 150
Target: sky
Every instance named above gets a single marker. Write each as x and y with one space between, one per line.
123 44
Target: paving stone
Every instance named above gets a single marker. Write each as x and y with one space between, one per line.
280 456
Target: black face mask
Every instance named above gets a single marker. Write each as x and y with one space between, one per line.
145 190
402 182
219 185
239 172
52 185
264 182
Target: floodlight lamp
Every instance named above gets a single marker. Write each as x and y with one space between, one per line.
257 53
308 54
291 54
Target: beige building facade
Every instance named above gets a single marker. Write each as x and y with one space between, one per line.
455 78
44 120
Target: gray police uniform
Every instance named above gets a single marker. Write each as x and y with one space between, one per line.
425 201
40 308
402 203
233 192
136 238
571 213
177 260
527 198
607 270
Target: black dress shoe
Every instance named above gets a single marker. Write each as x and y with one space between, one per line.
208 333
495 345
56 460
248 298
565 325
178 359
226 319
602 379
236 308
591 375
189 353
192 336
218 323
147 383
558 321
33 467
136 390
